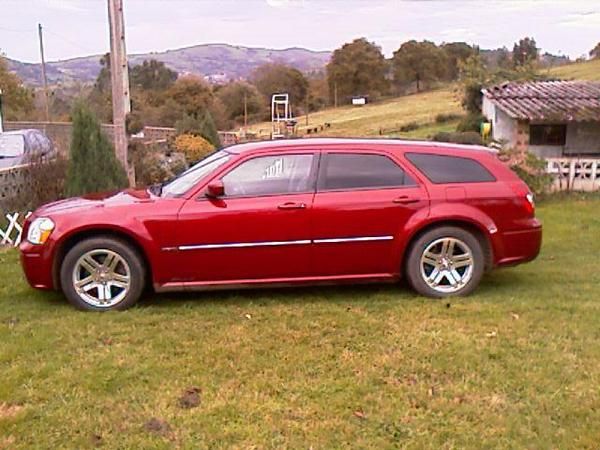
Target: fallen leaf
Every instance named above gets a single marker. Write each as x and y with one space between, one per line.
514 315
190 398
431 391
248 316
491 334
360 414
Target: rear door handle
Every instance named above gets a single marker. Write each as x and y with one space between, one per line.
292 205
405 199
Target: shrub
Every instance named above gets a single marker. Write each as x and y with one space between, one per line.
410 126
93 165
471 122
193 147
42 181
199 126
530 168
469 137
447 117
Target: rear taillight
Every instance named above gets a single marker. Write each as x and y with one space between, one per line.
530 204
525 197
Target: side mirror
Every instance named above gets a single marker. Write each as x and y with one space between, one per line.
215 189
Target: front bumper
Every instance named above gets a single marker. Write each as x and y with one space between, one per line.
520 246
36 261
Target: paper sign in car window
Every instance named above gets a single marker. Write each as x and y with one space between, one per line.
274 170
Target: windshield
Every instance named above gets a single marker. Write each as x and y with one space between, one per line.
190 177
11 145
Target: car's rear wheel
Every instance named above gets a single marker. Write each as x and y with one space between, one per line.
445 261
101 274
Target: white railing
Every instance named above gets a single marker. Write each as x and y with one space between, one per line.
573 174
12 232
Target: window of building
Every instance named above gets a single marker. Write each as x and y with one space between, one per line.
450 169
547 134
361 171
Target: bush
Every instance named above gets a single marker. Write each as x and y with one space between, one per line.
471 122
155 163
410 126
469 137
447 117
199 126
530 168
93 166
193 147
41 182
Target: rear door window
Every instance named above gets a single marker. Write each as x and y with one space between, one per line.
347 171
441 169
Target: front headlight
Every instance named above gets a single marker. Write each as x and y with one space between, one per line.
40 230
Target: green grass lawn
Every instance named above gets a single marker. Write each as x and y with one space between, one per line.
517 365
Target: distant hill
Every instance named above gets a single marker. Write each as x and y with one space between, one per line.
218 62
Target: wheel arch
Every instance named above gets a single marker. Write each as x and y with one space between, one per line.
478 230
68 242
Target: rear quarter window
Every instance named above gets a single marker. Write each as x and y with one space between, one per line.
441 169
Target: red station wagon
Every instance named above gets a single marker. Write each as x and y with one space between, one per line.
294 212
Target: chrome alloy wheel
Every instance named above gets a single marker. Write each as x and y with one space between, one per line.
447 265
101 278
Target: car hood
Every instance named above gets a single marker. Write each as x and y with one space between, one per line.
99 200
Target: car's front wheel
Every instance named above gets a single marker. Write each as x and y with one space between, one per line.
101 274
444 262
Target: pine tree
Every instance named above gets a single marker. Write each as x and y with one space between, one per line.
93 166
203 126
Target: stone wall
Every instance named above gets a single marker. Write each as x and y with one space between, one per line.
58 132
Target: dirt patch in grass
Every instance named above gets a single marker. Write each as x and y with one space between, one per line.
8 411
190 398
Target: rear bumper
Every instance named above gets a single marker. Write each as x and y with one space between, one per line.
36 261
520 246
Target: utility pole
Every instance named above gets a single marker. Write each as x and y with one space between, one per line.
306 107
245 111
335 94
119 77
44 79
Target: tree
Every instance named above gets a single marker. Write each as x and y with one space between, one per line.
419 62
233 95
272 79
100 97
473 75
93 166
456 52
357 68
595 52
524 51
202 125
192 93
17 100
152 75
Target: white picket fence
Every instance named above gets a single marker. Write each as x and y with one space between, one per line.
13 231
571 174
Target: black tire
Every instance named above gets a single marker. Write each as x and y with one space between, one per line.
413 265
137 272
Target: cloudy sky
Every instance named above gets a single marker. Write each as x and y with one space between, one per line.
79 27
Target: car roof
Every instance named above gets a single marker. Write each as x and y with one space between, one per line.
389 144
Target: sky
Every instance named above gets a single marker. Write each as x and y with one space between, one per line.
80 27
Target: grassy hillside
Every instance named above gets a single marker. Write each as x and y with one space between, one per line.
589 70
390 115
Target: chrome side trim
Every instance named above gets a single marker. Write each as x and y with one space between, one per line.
280 243
244 245
353 239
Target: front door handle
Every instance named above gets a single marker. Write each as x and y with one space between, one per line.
292 205
405 199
